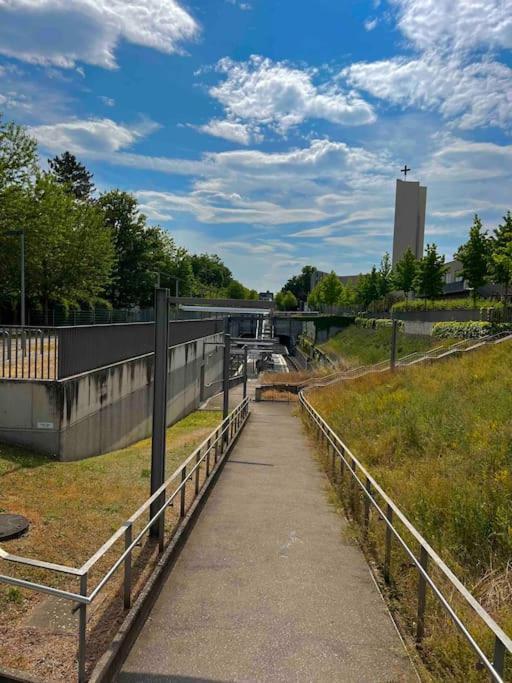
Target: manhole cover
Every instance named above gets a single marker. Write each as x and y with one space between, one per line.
12 526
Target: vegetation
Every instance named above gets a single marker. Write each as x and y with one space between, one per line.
445 304
286 301
468 330
362 346
82 250
373 323
437 438
300 285
429 279
73 508
331 293
475 255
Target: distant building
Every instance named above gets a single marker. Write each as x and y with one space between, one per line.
318 275
266 296
410 207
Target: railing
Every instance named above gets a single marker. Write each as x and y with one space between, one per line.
28 353
374 497
205 458
59 352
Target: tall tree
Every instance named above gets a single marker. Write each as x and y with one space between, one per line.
331 289
475 257
69 250
405 272
429 280
73 175
367 287
18 155
501 248
132 281
385 281
300 285
236 290
210 273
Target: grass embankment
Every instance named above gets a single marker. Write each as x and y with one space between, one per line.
438 439
362 346
73 509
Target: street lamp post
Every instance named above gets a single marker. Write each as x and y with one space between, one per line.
21 235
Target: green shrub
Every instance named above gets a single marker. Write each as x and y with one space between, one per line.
468 330
445 304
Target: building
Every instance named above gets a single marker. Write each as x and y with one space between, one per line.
266 296
318 275
410 207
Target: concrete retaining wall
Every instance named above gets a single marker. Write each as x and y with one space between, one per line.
103 410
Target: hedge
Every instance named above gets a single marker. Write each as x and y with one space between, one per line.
468 330
445 304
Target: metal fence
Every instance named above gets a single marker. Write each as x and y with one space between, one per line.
28 352
180 490
344 467
56 353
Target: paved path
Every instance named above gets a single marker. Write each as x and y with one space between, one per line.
267 587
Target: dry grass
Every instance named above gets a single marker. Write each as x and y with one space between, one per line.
38 358
297 377
73 508
439 440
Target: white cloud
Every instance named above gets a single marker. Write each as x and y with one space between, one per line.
475 94
276 94
456 24
229 130
370 24
108 101
64 32
90 136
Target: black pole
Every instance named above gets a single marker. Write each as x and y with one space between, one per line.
245 371
227 363
393 345
160 367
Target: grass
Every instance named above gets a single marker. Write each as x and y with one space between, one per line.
362 346
445 304
73 508
438 438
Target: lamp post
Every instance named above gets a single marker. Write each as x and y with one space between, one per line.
21 235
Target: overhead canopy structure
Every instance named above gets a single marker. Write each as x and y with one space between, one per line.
226 309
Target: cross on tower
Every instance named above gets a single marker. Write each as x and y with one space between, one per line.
405 170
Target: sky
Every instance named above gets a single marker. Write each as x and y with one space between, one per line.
271 132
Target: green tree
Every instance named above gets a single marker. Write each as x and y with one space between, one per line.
475 257
210 273
405 272
300 285
385 280
429 280
367 288
69 251
253 295
235 290
331 289
132 279
501 247
290 302
73 175
18 156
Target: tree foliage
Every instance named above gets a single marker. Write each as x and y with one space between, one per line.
405 272
300 285
73 175
475 255
429 279
286 300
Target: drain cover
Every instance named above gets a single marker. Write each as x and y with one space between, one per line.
12 526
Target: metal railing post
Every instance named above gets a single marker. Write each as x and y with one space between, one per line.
246 352
367 507
160 369
127 588
208 459
226 369
198 468
216 452
422 596
182 492
389 536
394 333
82 632
498 660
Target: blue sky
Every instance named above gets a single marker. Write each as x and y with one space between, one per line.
271 131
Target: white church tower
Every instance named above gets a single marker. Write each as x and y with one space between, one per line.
410 207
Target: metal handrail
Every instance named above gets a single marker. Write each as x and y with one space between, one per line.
219 441
368 485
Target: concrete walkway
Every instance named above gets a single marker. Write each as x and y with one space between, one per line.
267 587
